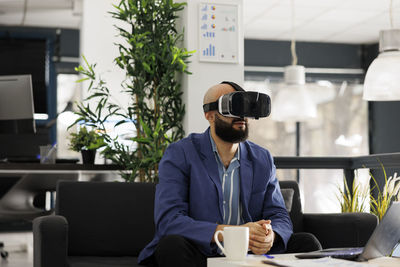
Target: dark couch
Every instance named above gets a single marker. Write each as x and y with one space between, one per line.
333 230
99 224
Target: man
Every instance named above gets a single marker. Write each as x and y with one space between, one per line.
214 180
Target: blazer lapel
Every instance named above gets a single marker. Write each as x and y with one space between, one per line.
246 180
203 144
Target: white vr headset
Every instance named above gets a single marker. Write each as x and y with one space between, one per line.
241 104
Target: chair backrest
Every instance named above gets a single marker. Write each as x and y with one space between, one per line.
107 218
291 194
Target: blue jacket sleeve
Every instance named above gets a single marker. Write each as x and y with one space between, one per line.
172 201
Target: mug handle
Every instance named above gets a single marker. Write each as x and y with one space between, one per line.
217 241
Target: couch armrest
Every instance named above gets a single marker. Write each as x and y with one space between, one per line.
341 229
50 241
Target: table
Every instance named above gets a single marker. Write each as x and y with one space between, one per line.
24 167
27 190
256 261
81 172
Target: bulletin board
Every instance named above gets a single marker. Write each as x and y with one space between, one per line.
218 33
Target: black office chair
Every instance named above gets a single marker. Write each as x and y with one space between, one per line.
18 202
96 224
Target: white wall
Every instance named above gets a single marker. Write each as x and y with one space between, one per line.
98 36
205 74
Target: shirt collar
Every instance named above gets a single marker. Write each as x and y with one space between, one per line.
214 148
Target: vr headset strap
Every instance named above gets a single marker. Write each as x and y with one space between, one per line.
210 106
214 105
234 85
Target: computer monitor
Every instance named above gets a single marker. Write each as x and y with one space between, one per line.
16 105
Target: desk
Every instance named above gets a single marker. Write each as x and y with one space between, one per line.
256 261
56 167
85 172
21 183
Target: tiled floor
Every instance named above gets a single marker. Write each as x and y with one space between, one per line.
20 259
20 248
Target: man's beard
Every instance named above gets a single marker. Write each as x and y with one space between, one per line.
227 133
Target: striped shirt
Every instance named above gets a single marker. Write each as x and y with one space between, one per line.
230 181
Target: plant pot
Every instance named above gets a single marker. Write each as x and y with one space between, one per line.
88 156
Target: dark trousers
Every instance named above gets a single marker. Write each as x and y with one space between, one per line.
302 242
177 251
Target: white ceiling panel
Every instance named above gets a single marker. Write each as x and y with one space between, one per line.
309 3
343 21
352 38
42 13
377 5
254 4
321 26
348 16
269 28
311 37
301 13
9 6
370 27
254 12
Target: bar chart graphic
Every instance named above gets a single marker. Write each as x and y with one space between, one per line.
209 34
209 51
218 33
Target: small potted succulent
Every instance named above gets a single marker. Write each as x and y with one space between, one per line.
86 142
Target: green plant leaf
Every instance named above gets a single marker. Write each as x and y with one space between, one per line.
152 59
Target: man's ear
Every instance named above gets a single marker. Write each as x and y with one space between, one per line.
210 116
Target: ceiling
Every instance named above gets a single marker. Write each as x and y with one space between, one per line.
341 21
41 13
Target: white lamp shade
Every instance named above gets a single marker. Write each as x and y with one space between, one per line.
293 103
66 118
382 81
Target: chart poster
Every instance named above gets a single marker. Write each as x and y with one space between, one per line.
218 33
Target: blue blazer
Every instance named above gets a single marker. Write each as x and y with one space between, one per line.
189 198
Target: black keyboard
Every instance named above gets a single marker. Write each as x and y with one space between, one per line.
344 253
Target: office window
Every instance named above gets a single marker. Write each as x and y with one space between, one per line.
340 129
67 94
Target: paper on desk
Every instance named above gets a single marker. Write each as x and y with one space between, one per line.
317 262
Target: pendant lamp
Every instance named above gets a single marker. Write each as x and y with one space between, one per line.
382 81
293 102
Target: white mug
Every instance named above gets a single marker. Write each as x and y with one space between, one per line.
236 242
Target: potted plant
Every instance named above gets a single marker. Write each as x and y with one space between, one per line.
389 193
86 142
356 200
152 58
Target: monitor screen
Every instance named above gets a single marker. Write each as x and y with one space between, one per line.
27 56
16 104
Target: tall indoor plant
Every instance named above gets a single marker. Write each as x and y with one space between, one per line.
152 59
